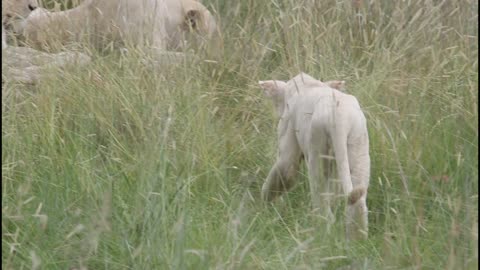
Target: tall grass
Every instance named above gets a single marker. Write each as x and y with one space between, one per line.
123 166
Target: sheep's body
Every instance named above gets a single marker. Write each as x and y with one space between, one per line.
161 24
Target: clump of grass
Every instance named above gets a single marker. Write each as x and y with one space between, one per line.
124 166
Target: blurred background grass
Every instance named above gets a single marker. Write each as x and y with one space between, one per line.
122 166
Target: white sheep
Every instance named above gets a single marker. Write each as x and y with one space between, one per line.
160 24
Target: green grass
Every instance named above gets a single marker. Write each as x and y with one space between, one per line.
121 166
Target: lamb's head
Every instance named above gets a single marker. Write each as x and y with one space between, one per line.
16 9
304 79
276 91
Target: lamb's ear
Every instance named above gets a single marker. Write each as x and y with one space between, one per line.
339 85
272 87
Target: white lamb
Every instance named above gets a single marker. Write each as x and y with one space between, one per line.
313 118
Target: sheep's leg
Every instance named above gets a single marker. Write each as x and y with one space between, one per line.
282 175
318 163
359 160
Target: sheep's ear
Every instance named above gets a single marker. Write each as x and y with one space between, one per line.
272 87
339 85
192 19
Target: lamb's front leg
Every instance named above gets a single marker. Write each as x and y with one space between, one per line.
280 178
282 175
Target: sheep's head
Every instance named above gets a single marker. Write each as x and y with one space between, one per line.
16 9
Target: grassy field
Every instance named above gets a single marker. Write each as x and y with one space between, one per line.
123 166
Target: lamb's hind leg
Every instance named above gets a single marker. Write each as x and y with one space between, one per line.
359 160
339 142
318 163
